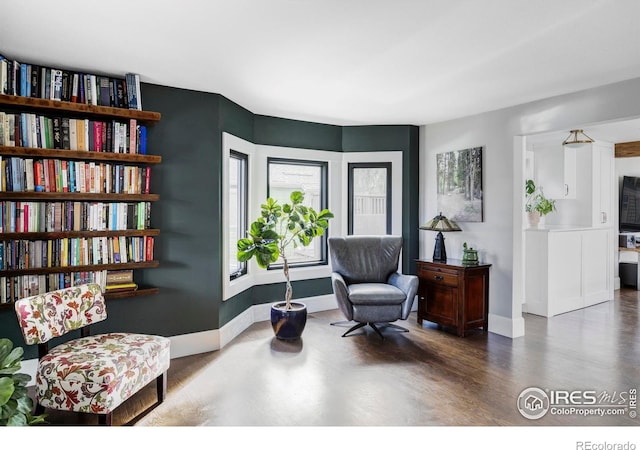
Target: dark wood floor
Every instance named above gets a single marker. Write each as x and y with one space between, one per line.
422 378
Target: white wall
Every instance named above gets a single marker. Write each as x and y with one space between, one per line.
496 132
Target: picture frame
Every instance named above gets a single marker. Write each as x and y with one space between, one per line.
459 184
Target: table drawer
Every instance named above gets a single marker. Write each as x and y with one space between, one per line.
438 276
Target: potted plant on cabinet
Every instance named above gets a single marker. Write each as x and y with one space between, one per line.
537 205
269 236
15 403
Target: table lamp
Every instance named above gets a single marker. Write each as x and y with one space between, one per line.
440 223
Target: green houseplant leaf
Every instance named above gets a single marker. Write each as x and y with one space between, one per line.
536 201
15 403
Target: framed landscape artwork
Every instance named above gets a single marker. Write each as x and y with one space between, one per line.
460 184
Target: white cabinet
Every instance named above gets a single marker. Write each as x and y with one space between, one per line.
555 169
602 197
567 269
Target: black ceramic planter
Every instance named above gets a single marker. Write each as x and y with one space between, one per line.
288 324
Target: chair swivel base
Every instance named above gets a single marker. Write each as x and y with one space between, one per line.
375 328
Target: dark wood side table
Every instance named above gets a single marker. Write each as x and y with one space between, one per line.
453 294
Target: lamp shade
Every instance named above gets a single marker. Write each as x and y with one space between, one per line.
440 223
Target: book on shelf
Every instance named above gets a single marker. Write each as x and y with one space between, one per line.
104 94
133 91
35 81
3 75
66 86
115 277
125 287
75 81
56 84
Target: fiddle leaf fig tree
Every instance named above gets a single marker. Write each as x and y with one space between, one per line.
15 403
278 227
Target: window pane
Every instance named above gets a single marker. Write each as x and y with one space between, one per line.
369 200
237 210
286 177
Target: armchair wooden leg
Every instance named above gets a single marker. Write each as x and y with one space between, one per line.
161 387
105 419
39 409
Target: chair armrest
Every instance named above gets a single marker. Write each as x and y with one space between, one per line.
407 284
342 295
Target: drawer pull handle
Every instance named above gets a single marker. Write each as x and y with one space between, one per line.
439 277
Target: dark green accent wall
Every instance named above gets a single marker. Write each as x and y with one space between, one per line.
296 133
189 139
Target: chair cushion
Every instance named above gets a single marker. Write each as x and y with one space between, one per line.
95 374
375 294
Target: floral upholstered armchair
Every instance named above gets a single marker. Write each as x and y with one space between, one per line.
90 374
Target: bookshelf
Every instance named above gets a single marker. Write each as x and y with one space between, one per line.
80 234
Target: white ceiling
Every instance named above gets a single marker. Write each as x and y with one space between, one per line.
344 62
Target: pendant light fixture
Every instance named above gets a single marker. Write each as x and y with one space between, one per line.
577 137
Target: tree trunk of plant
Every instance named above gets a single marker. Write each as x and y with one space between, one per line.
289 292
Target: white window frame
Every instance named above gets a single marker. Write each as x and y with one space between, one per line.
393 157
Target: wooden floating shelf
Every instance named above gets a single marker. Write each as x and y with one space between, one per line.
78 196
58 106
79 154
140 292
73 234
88 268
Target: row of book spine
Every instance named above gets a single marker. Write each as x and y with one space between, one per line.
17 287
59 175
31 80
64 133
71 252
43 217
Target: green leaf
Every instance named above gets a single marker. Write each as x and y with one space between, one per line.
304 239
36 420
286 208
270 235
267 255
325 214
17 420
5 348
24 404
6 390
21 378
13 358
256 229
245 244
297 197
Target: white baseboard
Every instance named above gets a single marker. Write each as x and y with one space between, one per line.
509 327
